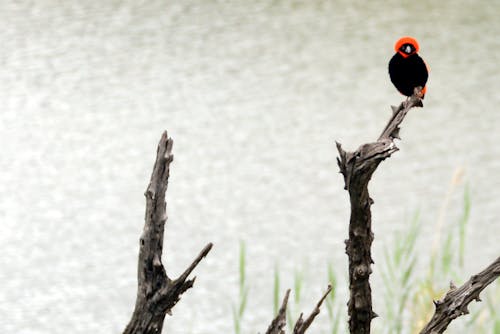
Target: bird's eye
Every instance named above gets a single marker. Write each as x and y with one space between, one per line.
408 49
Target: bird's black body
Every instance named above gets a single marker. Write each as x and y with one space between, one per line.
408 72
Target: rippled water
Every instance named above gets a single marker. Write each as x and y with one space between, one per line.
254 94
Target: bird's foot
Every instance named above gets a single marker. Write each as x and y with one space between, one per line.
419 92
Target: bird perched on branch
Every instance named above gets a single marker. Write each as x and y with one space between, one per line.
406 69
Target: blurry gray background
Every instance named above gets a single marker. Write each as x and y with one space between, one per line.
254 94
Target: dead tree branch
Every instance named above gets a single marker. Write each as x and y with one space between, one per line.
357 168
279 322
301 325
456 301
157 293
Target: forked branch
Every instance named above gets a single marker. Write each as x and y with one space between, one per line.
302 325
278 323
157 294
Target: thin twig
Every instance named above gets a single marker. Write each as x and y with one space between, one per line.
302 325
279 322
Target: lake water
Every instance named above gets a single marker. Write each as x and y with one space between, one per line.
254 94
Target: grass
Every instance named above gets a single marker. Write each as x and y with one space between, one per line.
240 307
333 308
398 276
408 300
407 293
334 311
276 291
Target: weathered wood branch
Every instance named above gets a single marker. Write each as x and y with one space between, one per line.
278 323
157 294
302 325
455 302
357 168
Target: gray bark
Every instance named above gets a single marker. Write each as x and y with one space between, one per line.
278 323
456 300
157 294
357 168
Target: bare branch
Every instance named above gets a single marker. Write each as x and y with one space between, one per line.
157 293
456 300
399 113
302 325
279 322
357 168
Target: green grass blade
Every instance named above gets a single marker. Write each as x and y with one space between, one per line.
388 261
336 322
496 326
447 256
462 225
243 302
290 321
276 291
297 286
333 281
408 272
242 266
411 237
236 320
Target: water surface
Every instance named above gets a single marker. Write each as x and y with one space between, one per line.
254 94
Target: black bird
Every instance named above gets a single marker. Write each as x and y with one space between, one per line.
406 69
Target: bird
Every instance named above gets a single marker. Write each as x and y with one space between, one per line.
407 69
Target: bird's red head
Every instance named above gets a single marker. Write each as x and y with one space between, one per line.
406 46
